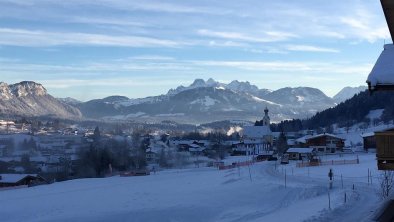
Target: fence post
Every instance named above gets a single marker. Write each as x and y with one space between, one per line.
285 179
342 181
368 176
250 174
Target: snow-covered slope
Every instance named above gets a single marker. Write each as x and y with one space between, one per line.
347 93
69 100
301 99
31 99
246 194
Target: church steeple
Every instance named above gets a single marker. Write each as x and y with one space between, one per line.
266 119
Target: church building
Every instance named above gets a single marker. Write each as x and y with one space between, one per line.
256 140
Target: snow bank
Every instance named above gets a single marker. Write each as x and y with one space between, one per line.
257 193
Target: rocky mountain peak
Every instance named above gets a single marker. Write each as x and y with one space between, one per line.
5 92
242 86
26 88
198 83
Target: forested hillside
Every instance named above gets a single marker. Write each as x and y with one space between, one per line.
351 111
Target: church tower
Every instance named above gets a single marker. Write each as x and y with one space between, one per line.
266 119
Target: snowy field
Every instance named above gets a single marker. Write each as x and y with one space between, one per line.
206 194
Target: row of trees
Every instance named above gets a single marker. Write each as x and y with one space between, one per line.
103 156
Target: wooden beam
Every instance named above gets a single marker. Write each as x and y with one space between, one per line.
388 9
379 87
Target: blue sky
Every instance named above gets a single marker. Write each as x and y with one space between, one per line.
92 49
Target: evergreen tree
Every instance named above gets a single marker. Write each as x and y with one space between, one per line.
281 145
96 135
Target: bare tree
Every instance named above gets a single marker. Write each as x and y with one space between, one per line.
386 182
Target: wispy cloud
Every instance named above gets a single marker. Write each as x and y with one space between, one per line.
265 37
23 37
124 21
293 67
310 48
122 40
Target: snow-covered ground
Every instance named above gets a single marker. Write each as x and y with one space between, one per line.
257 193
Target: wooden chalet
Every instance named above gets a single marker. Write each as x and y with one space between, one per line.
385 149
300 153
325 143
382 74
12 180
369 141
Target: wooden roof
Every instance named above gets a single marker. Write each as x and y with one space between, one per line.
388 9
381 75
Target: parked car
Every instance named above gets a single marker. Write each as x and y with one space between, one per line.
284 159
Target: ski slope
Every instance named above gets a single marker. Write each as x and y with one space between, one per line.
205 194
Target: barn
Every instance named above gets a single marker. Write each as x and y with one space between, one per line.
385 149
11 180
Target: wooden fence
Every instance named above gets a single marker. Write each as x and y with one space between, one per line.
328 162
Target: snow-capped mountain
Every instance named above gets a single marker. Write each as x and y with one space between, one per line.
198 83
301 98
235 85
31 99
205 101
69 101
347 93
200 102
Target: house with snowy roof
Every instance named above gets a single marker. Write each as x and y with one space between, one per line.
11 180
256 140
300 153
324 143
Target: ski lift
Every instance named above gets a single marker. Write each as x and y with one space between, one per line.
382 74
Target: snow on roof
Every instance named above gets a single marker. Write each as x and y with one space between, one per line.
303 139
299 150
10 159
383 71
368 134
196 149
13 178
390 129
256 131
324 134
194 145
290 142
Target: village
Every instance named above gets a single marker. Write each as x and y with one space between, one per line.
50 153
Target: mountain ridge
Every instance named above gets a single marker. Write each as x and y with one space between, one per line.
28 98
200 102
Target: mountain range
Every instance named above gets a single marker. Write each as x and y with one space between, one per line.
201 102
31 99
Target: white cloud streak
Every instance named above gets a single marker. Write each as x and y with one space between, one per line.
310 48
266 37
23 37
